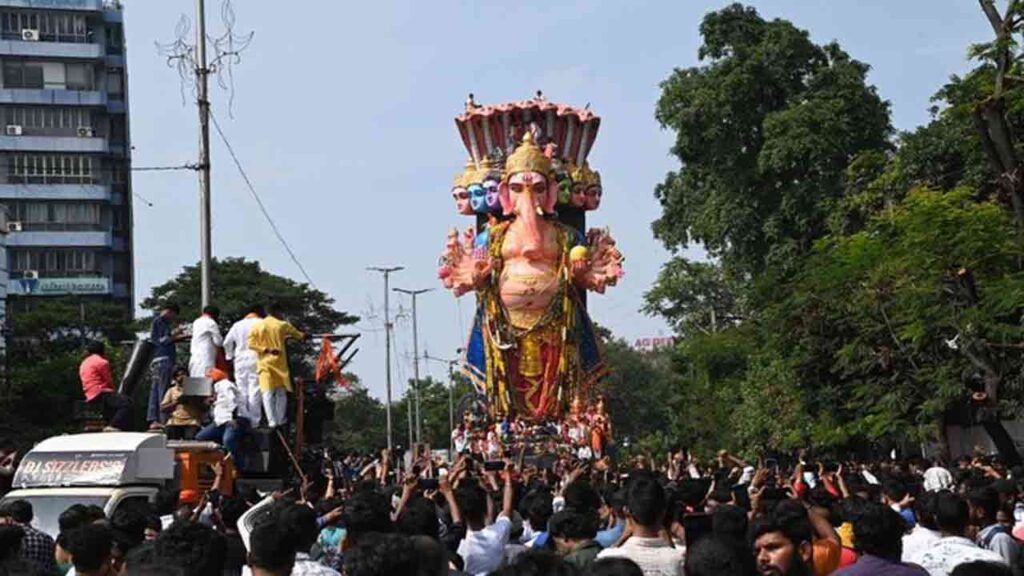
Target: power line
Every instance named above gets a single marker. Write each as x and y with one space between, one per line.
259 201
192 167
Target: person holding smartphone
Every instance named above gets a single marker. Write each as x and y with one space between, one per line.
483 547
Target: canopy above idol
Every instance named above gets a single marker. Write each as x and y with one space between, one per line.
493 131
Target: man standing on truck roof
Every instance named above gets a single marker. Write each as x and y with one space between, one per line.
268 339
164 335
245 361
98 386
206 340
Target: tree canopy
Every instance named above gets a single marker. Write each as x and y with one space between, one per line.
860 286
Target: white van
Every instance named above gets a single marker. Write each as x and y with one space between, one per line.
104 469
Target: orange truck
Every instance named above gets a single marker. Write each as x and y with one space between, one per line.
111 470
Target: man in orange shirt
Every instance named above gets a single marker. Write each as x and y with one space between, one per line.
98 386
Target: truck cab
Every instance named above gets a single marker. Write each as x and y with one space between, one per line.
108 470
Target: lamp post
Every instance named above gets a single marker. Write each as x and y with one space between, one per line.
386 271
416 357
451 398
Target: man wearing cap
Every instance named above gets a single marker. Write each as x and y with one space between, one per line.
225 428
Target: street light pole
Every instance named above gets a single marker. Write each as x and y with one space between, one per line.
386 272
416 357
451 400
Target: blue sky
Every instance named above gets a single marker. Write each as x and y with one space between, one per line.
343 118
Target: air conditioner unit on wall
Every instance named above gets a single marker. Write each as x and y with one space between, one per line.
13 130
14 226
30 35
30 274
86 132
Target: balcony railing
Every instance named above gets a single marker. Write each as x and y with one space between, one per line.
44 36
51 179
17 274
63 227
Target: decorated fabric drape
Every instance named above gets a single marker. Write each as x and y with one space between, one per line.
327 365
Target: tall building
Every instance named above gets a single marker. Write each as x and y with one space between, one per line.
65 152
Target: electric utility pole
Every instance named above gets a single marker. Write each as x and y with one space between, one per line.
386 272
203 99
451 398
416 357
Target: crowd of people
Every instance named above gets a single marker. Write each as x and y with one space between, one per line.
521 497
586 432
362 516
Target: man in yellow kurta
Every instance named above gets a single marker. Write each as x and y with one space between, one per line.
268 339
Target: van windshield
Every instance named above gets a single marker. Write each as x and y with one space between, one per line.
47 509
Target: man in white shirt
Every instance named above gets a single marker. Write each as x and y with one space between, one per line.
654 554
952 549
460 439
244 360
298 522
925 532
225 428
206 339
483 548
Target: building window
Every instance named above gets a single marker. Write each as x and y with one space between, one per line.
115 85
55 262
23 75
78 76
51 169
49 75
48 121
60 216
51 26
114 39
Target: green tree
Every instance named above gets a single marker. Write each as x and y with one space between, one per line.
765 128
358 421
870 317
696 297
434 407
864 287
238 284
45 345
638 390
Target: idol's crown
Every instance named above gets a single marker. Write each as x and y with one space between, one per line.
528 157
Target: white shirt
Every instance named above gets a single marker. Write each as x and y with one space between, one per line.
236 344
203 348
483 550
303 567
461 442
226 403
919 540
947 553
654 556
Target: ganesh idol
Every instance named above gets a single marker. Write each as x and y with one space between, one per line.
533 346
